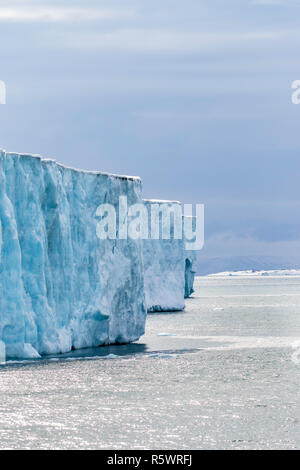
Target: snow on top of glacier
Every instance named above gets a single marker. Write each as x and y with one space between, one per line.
91 172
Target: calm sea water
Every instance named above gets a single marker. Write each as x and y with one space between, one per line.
218 376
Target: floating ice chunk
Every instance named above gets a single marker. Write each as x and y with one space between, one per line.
165 334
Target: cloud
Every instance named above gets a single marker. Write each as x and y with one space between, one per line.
269 2
232 244
277 2
196 89
164 40
57 14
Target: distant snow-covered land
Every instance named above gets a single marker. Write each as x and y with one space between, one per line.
210 265
252 272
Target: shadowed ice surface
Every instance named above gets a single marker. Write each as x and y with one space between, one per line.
219 375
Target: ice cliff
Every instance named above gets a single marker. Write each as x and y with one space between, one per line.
170 268
60 286
190 272
164 264
190 264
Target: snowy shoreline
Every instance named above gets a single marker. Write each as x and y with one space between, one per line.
251 273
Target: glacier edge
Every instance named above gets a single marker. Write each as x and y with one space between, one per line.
60 286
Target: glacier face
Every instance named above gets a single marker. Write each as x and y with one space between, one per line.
190 261
60 286
190 272
164 265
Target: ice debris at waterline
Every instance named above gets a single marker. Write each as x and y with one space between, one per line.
60 286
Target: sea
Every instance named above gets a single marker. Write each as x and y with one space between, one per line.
223 374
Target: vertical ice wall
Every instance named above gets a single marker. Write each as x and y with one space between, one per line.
190 261
60 286
164 264
190 272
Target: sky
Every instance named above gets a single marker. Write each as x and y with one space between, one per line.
193 96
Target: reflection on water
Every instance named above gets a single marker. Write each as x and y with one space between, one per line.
119 350
218 375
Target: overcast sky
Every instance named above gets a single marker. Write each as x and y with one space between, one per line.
194 96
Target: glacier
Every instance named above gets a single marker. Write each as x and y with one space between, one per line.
62 288
164 265
190 272
190 261
169 266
